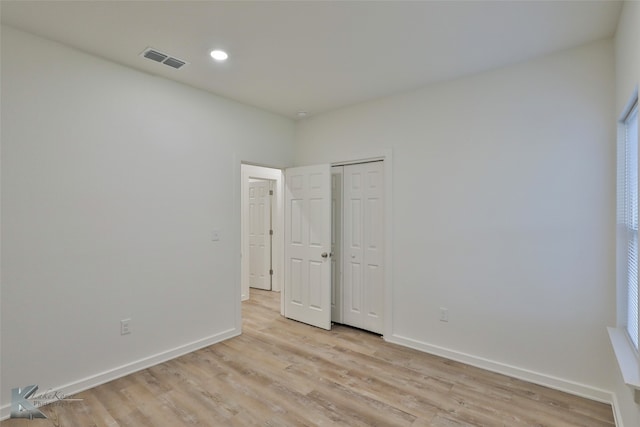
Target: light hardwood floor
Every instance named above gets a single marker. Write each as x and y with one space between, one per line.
283 373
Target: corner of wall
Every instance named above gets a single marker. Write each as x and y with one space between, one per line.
567 386
83 384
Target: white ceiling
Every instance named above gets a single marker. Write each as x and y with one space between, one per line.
317 56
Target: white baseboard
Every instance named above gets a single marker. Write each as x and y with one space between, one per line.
129 368
560 384
567 386
617 416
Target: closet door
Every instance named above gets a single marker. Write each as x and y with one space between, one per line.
363 236
336 244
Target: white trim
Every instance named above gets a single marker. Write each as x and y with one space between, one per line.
129 368
236 243
555 383
617 415
626 356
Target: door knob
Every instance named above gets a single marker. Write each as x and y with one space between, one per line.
324 255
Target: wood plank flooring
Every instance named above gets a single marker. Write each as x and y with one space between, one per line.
283 373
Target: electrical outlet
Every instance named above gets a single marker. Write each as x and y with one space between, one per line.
444 314
125 326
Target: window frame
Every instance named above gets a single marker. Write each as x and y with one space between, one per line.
630 219
624 347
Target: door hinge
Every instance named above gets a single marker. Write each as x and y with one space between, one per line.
271 272
270 232
271 192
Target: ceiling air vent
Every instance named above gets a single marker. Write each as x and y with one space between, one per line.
173 62
157 56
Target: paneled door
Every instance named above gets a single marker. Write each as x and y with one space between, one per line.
259 234
308 245
363 245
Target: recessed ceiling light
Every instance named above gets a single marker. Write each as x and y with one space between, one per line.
302 114
219 55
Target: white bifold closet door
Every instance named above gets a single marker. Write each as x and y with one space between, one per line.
363 246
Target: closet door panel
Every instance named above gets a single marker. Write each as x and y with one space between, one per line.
363 233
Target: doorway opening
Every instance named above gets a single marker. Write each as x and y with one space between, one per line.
261 229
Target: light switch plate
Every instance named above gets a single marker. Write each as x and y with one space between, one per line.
215 235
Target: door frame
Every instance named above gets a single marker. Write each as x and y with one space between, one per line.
249 171
386 155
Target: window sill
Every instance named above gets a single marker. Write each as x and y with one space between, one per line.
627 360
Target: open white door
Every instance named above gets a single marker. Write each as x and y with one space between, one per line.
308 245
259 234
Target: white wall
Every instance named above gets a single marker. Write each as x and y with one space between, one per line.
112 181
627 48
503 189
627 53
